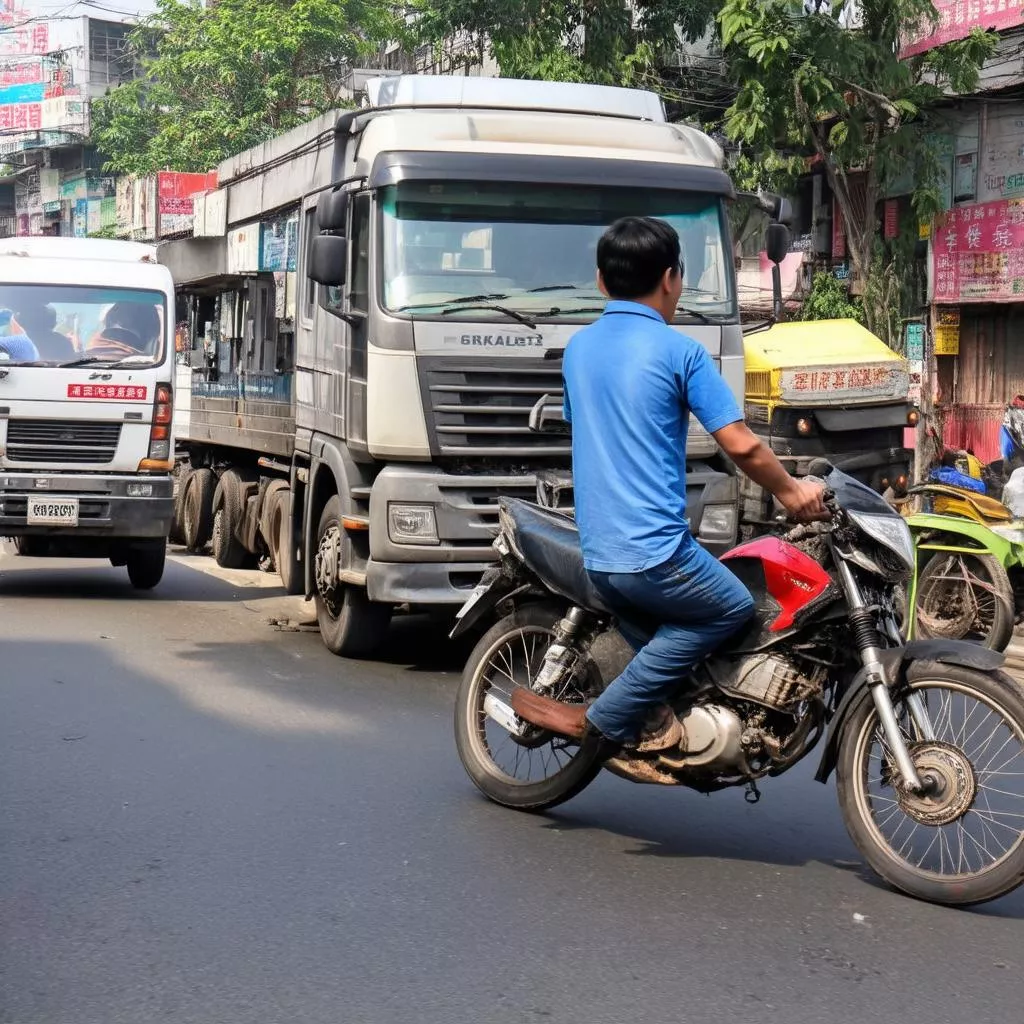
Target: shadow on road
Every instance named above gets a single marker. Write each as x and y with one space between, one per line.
94 580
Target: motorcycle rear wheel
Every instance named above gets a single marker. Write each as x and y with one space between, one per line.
516 645
964 844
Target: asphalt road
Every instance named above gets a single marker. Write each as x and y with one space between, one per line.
206 819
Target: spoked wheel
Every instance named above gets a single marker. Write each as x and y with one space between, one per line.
511 762
965 597
962 840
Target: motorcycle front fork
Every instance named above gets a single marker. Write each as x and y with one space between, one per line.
878 684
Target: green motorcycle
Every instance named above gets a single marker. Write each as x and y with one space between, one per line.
970 569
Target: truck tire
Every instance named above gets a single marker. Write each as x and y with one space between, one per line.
280 532
197 509
228 520
146 565
176 534
351 625
32 547
267 505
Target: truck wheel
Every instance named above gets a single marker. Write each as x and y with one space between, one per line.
279 526
197 511
31 547
267 506
146 565
351 625
176 534
228 519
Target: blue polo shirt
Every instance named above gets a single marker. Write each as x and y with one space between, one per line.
631 382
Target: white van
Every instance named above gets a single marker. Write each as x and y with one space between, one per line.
86 401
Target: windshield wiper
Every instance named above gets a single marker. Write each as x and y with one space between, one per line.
84 361
700 315
512 313
466 298
553 288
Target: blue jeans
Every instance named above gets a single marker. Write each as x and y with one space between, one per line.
699 603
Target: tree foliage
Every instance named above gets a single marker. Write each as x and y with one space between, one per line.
218 79
604 41
828 299
817 82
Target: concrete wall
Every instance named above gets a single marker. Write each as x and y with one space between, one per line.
251 197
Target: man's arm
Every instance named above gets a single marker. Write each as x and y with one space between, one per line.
802 499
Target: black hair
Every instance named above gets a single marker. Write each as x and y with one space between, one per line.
633 255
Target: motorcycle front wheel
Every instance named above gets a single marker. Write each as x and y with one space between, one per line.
517 766
962 841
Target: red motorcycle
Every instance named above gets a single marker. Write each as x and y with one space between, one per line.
926 739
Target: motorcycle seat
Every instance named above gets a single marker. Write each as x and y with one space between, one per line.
550 545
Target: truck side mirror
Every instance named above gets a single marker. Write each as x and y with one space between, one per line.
777 207
327 256
777 242
332 211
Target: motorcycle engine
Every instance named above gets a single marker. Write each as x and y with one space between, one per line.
766 679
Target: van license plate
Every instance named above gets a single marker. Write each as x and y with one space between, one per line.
52 511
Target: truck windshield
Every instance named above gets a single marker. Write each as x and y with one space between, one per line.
532 247
56 324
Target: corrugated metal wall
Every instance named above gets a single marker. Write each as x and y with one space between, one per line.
975 386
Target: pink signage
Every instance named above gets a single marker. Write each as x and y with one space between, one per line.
978 253
958 18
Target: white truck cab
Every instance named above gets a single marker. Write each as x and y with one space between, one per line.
86 372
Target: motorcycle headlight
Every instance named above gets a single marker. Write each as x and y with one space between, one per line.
891 531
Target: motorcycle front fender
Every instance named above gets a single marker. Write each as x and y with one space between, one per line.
895 660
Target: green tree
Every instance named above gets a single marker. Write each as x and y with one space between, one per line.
828 299
841 91
604 41
216 80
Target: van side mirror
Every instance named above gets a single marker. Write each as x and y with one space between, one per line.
777 242
327 260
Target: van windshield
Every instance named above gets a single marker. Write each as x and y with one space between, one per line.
532 247
56 324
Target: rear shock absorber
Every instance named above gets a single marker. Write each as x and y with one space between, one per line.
561 656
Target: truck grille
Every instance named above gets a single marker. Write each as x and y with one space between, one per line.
68 441
485 410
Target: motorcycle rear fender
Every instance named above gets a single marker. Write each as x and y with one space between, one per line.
895 660
950 528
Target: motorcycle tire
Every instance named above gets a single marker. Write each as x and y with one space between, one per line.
989 622
471 721
967 795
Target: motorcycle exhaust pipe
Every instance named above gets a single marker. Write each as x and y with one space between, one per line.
498 711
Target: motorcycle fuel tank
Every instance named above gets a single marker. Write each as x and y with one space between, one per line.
791 578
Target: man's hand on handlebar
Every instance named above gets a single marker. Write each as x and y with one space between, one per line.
804 501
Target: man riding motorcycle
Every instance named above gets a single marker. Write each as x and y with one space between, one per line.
630 383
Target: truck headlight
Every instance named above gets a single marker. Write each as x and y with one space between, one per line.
718 523
412 524
136 490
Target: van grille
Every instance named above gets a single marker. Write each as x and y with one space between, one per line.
67 441
485 410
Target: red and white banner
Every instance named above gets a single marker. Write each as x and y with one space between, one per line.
958 18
